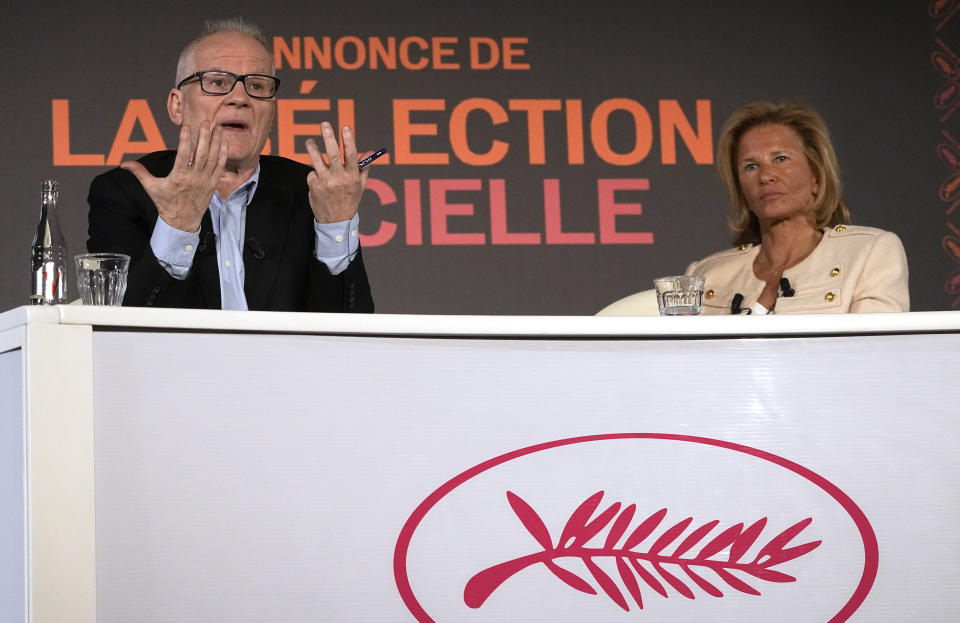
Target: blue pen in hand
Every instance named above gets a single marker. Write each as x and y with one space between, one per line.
371 158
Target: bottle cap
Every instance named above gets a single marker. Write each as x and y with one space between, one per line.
51 187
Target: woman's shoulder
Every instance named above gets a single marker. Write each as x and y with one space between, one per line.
846 239
857 231
733 256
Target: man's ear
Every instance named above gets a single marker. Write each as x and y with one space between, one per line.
174 106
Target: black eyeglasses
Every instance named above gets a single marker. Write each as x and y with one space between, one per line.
215 82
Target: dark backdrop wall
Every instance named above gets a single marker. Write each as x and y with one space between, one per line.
545 158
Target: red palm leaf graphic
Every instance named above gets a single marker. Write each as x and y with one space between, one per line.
647 577
631 561
572 579
670 535
674 581
594 527
606 583
722 541
770 575
746 540
620 526
695 537
580 516
773 552
531 520
626 576
645 529
734 582
579 528
702 583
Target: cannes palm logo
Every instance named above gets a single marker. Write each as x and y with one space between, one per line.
636 564
681 528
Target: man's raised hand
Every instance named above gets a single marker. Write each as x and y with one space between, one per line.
184 195
336 185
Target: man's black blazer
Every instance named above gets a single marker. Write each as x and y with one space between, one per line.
281 271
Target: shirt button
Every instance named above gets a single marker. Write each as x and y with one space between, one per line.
829 296
709 294
188 248
353 234
339 238
227 263
835 272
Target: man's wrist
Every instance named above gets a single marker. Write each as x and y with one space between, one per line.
337 243
174 248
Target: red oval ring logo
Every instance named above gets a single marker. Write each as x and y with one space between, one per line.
867 535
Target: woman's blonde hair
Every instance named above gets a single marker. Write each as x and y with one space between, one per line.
829 207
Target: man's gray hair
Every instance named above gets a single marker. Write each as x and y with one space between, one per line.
216 26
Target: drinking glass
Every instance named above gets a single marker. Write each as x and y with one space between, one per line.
102 277
679 295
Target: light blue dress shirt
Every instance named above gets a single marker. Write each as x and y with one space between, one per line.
336 243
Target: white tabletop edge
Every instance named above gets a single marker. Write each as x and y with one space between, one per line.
29 314
487 326
466 325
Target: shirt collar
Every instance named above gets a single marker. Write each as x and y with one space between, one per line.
251 185
249 188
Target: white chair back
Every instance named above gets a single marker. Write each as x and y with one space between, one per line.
642 303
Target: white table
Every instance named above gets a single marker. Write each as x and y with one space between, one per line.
176 465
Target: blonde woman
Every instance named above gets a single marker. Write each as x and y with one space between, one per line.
796 249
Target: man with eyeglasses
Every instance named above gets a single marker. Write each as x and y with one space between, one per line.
216 225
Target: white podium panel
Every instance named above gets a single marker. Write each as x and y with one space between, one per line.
225 466
277 485
13 569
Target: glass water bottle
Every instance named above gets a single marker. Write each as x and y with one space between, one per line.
49 252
